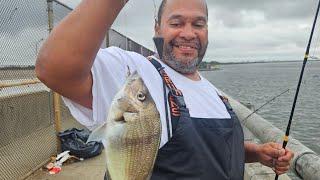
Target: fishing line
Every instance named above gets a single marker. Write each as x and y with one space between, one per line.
286 137
269 101
314 55
315 48
155 16
124 17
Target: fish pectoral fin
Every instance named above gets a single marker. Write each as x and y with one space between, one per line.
107 175
98 134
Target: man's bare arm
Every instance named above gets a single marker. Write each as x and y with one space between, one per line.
65 59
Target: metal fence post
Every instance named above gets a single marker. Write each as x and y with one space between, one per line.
56 96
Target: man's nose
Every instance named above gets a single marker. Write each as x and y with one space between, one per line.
188 32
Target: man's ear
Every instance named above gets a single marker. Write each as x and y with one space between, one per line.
156 28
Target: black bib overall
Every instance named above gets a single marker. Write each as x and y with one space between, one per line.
200 148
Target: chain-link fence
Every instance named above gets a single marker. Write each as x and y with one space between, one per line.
27 131
27 135
121 41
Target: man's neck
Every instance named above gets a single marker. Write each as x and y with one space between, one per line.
194 76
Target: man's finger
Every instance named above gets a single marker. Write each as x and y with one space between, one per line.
275 145
287 156
286 168
282 152
282 164
279 172
275 153
273 164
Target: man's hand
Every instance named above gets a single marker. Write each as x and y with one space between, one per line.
273 155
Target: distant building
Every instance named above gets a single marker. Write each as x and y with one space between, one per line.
209 66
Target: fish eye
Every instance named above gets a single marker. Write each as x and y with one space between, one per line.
141 96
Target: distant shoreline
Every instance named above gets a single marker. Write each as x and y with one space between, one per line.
214 65
213 69
297 61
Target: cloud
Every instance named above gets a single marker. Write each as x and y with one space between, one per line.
273 9
259 30
239 30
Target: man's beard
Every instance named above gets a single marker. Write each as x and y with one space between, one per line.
180 65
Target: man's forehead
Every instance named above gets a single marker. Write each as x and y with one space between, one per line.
191 5
199 17
200 1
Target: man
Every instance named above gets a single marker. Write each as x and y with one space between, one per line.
208 142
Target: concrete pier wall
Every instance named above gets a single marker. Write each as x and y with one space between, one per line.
27 134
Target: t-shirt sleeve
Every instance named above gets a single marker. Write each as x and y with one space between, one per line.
109 73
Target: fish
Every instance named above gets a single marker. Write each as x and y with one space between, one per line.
131 133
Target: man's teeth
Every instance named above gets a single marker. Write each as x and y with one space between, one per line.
186 47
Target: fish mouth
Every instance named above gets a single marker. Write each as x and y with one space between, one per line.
126 117
120 119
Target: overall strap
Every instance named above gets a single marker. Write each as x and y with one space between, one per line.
225 101
176 101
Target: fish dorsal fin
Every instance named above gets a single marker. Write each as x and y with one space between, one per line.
128 71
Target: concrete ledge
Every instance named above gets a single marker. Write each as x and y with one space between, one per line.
257 171
90 169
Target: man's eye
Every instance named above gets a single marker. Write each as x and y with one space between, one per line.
199 25
175 24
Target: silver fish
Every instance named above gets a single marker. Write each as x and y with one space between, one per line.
132 132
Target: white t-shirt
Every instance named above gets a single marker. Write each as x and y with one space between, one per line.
109 73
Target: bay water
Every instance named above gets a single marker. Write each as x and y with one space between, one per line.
257 83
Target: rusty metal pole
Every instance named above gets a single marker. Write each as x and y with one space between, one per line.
19 83
56 96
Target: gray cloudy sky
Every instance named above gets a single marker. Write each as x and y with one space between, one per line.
239 30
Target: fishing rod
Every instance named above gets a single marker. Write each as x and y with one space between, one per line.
286 137
287 90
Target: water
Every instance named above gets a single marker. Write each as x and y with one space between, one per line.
260 82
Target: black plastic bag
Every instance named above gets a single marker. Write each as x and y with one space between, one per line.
74 140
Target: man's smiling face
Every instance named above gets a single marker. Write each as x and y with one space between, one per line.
184 29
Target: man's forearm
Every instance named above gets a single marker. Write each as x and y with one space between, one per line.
70 50
251 152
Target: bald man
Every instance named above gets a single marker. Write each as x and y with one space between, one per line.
205 140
